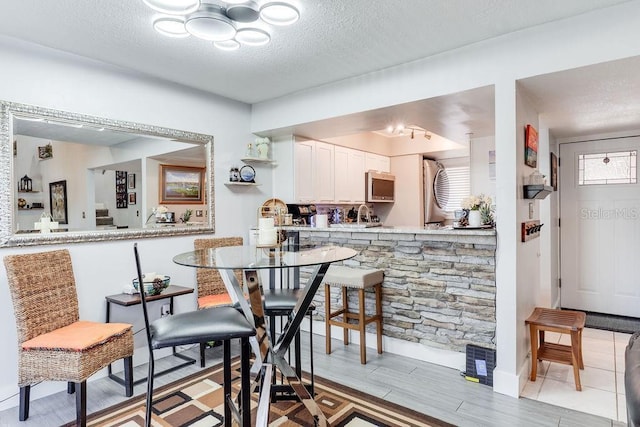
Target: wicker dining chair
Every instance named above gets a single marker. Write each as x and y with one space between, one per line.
54 345
211 289
209 324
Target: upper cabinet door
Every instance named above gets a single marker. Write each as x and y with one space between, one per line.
356 173
324 173
377 162
304 170
341 174
349 175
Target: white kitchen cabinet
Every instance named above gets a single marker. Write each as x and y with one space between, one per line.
356 173
349 175
327 173
304 171
324 172
341 175
377 162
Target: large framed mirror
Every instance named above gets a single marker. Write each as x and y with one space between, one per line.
68 177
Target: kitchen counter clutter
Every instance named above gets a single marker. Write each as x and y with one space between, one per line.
439 284
378 228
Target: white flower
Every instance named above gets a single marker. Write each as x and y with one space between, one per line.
160 209
475 203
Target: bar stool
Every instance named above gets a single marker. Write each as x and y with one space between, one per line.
360 279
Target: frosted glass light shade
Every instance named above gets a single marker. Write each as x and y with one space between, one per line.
170 27
210 23
227 45
253 36
173 7
245 12
279 13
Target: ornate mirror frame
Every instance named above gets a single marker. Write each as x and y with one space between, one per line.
8 186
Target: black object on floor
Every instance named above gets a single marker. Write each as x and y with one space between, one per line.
480 364
610 322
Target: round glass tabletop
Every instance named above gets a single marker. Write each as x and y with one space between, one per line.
253 257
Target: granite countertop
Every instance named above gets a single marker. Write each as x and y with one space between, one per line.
392 229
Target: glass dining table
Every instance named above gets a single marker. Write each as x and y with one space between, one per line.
270 352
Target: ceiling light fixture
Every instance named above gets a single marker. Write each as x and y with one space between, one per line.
400 129
227 45
171 27
252 36
279 13
173 7
229 24
209 22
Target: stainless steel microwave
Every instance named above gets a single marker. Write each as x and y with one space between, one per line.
380 187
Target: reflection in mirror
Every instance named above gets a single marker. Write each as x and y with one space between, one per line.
68 177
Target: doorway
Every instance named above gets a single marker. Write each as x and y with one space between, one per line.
600 226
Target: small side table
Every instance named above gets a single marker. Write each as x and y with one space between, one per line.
561 321
127 300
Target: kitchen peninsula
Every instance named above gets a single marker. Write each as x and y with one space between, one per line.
439 285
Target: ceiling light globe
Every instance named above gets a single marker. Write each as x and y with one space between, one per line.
170 27
245 12
253 36
227 45
210 23
279 13
173 7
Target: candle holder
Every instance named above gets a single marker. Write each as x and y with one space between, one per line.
25 184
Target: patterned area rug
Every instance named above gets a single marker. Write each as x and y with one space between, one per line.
197 401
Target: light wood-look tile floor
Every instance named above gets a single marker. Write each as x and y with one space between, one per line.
435 390
602 378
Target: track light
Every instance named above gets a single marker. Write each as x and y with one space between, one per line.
400 128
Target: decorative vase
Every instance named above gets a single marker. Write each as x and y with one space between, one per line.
263 150
474 218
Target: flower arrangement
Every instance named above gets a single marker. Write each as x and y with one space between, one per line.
157 211
481 203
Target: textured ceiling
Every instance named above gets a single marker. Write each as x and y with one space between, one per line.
338 39
333 40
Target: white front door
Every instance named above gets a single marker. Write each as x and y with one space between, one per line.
600 229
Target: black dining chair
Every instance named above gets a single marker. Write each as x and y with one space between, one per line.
195 327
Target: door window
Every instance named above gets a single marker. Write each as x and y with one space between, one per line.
607 168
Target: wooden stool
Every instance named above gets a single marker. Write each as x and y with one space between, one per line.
360 279
561 321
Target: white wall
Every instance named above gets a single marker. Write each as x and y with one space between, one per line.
481 182
55 80
556 46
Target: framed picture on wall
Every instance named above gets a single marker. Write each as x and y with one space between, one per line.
132 198
58 201
131 181
531 146
181 184
121 189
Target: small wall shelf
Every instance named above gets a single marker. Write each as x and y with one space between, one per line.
30 209
258 160
241 184
537 191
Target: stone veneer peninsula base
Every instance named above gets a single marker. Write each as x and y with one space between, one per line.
439 286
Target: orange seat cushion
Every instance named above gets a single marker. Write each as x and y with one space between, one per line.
214 300
78 336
